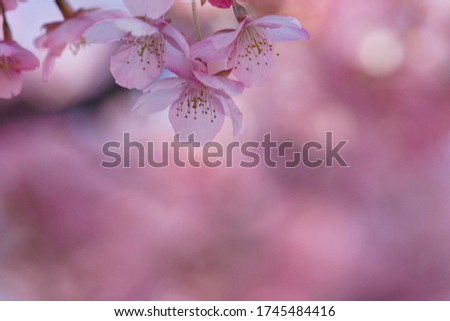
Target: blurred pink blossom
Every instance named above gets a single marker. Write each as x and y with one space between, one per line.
11 4
224 4
13 60
221 3
59 35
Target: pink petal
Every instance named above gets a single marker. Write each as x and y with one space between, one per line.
161 95
228 86
104 32
60 34
221 3
280 28
10 83
72 30
134 70
176 39
65 33
287 34
136 27
232 111
99 15
151 8
204 128
7 48
11 4
173 83
25 59
206 51
49 62
225 38
252 74
177 62
252 63
273 21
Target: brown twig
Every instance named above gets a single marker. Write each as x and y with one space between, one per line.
7 35
65 8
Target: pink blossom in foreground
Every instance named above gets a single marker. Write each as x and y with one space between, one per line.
149 8
70 32
198 104
13 60
221 3
146 48
11 4
224 4
249 48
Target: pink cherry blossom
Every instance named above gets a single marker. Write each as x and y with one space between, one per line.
70 32
11 4
149 8
221 3
147 46
249 48
13 60
198 104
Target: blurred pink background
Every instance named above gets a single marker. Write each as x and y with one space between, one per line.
375 73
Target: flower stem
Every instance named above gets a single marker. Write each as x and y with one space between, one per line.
65 8
198 33
7 35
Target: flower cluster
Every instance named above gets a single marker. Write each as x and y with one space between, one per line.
154 57
13 58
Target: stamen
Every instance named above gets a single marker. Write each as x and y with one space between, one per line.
197 102
7 64
254 49
76 47
148 47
